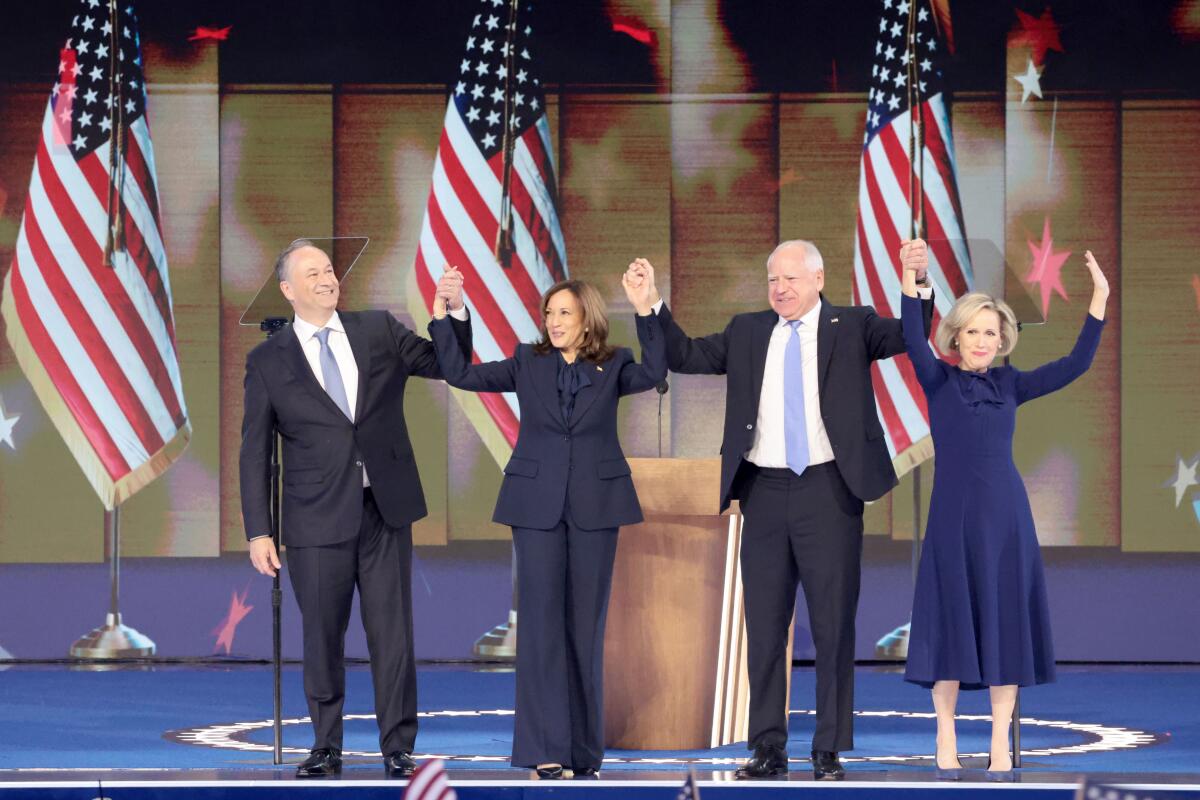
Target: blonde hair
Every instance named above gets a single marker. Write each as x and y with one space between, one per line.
594 345
965 310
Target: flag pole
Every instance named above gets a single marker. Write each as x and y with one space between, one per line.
504 242
113 639
916 224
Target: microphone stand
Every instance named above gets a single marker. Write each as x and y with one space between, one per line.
270 326
662 387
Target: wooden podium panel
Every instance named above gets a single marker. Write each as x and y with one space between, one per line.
674 658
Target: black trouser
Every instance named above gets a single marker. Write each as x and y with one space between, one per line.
806 528
379 562
563 580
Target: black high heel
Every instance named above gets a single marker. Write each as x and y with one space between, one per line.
999 776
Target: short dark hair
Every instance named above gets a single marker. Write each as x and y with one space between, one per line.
281 261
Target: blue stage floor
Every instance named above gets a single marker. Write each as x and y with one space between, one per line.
1134 724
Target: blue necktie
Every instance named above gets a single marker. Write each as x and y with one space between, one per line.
332 375
795 427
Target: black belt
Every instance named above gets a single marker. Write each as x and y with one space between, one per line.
783 472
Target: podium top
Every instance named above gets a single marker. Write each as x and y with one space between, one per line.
678 486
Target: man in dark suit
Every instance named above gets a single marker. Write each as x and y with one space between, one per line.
802 451
332 386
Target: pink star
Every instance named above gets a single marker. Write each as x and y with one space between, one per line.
228 626
1047 268
1039 33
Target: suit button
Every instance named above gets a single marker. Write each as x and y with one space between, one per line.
358 463
749 427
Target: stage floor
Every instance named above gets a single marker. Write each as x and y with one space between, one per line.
146 732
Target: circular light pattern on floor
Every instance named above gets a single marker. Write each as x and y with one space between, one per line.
1097 739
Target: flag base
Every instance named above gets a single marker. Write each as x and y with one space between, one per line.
500 643
894 646
113 640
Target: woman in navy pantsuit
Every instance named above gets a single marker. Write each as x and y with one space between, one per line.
567 490
980 617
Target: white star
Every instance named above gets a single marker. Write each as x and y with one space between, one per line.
522 76
904 58
75 70
502 71
481 68
885 75
89 23
96 73
475 22
879 47
130 107
93 3
504 49
493 118
82 47
922 85
882 25
875 118
125 31
65 115
470 42
473 114
874 70
90 96
85 119
1185 476
106 27
62 67
487 46
7 424
528 30
79 142
497 95
533 104
460 88
476 91
489 141
887 3
893 103
900 79
519 98
889 52
133 83
464 66
525 54
492 22
1029 82
896 29
102 51
55 89
925 65
903 8
922 15
105 124
932 44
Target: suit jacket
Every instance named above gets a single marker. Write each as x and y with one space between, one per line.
323 452
554 460
849 338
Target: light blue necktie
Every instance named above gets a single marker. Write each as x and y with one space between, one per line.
332 375
795 427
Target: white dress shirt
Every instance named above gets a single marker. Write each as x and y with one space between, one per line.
339 343
770 447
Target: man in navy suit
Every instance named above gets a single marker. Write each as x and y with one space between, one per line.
332 386
802 450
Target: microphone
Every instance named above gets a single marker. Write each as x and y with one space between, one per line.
662 386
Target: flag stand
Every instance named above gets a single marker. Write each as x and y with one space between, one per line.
113 639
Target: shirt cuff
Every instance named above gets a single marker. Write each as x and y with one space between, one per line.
260 536
460 314
657 307
924 292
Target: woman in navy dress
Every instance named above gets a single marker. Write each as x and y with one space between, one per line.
567 490
980 617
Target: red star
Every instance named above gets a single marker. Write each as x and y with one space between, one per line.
1039 33
1047 268
214 34
228 626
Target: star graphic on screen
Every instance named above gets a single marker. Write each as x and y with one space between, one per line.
1030 83
1185 477
7 424
228 626
1047 267
1038 33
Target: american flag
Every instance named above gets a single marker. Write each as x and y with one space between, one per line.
96 336
689 790
429 782
462 216
885 208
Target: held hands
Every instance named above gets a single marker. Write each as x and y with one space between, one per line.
638 282
448 294
263 556
1099 286
914 261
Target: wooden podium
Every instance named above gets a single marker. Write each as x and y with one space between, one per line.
675 646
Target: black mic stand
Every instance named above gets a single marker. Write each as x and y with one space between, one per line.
270 326
661 387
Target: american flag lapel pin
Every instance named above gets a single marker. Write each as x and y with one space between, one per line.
835 319
599 368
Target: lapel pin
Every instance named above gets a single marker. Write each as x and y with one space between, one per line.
599 368
835 319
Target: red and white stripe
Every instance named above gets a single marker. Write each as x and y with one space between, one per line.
460 227
884 212
105 336
429 782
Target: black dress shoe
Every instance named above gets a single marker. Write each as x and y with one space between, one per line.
321 763
826 766
586 773
768 761
551 773
399 765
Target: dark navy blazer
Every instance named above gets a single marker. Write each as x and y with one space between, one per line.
553 460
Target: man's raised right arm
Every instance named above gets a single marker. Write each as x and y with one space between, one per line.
702 356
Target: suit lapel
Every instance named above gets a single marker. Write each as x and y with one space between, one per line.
599 375
294 360
545 379
362 356
760 340
827 332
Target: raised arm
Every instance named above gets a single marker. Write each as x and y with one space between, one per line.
703 356
914 261
418 353
1057 374
884 335
652 370
454 361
